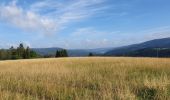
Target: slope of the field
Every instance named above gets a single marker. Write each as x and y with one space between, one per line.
85 79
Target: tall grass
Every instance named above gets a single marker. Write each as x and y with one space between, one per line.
85 79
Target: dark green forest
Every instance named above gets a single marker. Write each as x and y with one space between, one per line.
61 53
22 52
19 52
147 52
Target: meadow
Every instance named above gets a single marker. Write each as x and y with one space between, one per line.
91 78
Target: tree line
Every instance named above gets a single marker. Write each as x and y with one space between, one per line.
61 53
18 53
22 52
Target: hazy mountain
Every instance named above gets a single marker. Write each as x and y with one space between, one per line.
150 52
157 43
46 51
148 48
72 52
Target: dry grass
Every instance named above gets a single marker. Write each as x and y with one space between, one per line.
85 79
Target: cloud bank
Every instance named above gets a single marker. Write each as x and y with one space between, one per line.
49 16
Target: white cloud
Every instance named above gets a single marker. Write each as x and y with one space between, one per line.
25 19
90 32
89 37
49 16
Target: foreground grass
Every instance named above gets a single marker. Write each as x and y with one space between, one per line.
85 79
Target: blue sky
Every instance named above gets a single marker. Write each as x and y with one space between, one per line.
82 23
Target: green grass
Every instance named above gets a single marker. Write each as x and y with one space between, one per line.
85 79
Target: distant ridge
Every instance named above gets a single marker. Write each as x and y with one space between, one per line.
71 52
136 49
46 51
146 49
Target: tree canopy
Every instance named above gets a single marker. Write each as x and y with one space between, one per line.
17 53
61 53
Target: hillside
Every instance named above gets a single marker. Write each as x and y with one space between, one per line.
146 46
71 52
46 51
150 52
145 49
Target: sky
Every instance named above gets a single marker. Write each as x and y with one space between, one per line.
82 24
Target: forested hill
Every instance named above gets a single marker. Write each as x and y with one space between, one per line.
153 48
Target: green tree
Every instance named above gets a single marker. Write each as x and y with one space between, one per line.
2 54
61 53
20 51
57 54
91 54
65 54
26 54
33 54
13 53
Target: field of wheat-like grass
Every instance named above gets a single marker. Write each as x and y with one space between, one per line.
85 79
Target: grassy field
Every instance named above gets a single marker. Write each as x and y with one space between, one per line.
85 79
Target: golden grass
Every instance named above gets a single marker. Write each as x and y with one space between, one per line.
85 79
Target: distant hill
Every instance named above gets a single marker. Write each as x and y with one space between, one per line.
71 52
149 48
46 51
85 52
77 53
153 48
150 52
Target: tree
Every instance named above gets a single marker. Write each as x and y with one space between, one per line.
58 54
17 53
13 53
26 54
20 51
3 54
65 54
91 54
61 53
33 54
